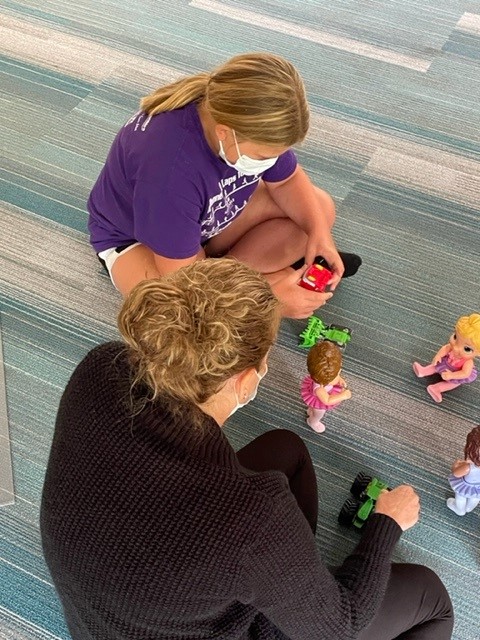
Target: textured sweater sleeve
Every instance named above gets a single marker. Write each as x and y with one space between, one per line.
285 579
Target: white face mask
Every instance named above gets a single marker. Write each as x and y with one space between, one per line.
246 165
239 405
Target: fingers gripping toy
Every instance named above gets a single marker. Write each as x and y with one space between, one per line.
454 361
324 388
465 477
316 278
365 491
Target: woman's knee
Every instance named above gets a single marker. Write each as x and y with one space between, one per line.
327 205
293 448
434 583
416 604
278 449
433 592
289 447
289 440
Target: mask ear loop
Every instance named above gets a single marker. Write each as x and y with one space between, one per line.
236 144
245 401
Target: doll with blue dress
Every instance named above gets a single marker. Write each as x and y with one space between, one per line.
465 477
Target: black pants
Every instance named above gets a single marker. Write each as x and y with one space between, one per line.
416 605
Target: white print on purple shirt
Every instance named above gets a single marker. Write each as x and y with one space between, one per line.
140 117
227 204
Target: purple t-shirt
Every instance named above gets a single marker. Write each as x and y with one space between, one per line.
163 186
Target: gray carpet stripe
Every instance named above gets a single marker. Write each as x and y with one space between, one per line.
303 32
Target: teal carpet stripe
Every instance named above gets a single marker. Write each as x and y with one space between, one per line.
465 45
52 82
43 204
32 600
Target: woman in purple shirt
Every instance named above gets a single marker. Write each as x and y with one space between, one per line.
199 153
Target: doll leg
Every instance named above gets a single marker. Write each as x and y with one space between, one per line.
422 371
458 505
472 503
314 419
436 390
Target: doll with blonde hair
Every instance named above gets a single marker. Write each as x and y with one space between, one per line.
465 477
324 388
455 360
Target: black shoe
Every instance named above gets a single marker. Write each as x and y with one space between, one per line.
351 262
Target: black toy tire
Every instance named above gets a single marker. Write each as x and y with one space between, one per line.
360 483
348 511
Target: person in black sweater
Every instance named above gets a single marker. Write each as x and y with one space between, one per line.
153 528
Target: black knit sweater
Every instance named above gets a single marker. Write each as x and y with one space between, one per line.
152 531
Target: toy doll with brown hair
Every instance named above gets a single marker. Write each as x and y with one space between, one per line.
465 477
324 388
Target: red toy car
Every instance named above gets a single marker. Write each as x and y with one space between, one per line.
316 278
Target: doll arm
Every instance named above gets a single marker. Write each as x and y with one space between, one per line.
464 372
443 351
336 398
322 395
331 399
460 468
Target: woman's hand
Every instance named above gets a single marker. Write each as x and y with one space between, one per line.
296 301
329 252
402 504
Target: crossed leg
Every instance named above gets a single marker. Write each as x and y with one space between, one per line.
263 237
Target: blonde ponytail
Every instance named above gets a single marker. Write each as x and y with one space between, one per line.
176 95
259 95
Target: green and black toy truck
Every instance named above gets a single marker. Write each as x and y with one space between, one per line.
357 509
316 330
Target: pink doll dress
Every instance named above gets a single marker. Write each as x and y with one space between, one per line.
448 364
307 391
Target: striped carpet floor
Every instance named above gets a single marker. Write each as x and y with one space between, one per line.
394 87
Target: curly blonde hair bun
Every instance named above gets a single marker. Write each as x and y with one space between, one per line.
190 331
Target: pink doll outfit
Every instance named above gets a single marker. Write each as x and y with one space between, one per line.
448 363
307 391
